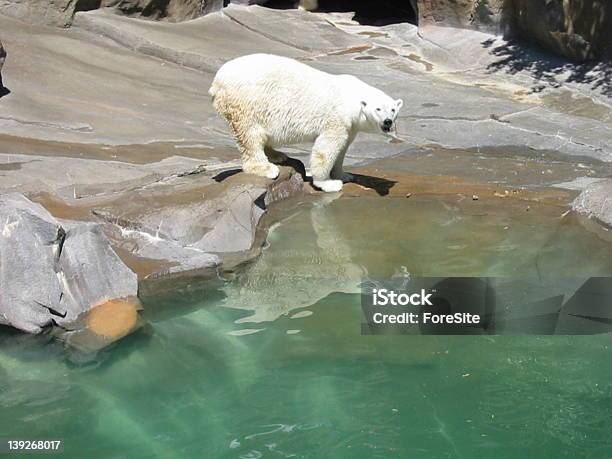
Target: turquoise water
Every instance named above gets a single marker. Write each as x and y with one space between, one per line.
271 362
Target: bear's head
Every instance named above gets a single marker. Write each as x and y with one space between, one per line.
379 113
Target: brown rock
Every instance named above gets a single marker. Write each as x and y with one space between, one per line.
486 15
576 29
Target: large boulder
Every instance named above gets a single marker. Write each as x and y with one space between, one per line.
196 231
30 244
52 275
60 13
50 12
171 10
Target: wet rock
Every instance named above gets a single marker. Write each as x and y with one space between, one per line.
50 275
90 271
596 201
102 325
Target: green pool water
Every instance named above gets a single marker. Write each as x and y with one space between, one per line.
271 362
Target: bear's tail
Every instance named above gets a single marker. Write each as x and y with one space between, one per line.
213 90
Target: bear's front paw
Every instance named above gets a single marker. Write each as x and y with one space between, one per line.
329 186
272 171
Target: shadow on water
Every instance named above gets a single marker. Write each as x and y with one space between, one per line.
549 71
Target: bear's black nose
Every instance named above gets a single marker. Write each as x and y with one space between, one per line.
388 123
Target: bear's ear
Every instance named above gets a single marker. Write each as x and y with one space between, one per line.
399 103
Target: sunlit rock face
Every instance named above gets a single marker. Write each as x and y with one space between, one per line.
576 29
485 15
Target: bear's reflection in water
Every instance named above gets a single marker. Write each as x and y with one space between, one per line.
289 276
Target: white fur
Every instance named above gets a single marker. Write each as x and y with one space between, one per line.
272 101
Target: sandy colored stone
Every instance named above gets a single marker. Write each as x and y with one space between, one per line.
113 319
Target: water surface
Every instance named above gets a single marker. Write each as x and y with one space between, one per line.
271 363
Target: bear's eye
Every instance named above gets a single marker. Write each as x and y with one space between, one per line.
378 109
392 110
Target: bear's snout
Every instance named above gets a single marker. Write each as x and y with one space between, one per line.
387 124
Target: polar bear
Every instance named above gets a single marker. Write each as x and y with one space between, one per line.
271 101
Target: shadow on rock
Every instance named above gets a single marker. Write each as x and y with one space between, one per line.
294 164
3 91
548 70
378 184
221 176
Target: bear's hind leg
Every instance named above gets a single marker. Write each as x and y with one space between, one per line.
326 150
254 159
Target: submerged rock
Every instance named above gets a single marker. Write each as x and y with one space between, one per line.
49 275
102 325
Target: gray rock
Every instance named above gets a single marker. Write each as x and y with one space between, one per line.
596 201
49 275
57 13
172 10
234 230
90 272
30 243
203 227
60 13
